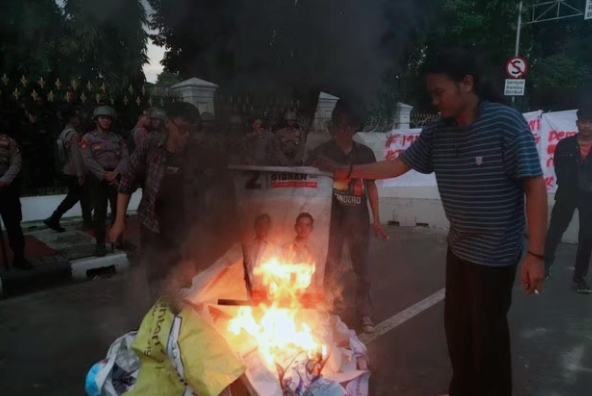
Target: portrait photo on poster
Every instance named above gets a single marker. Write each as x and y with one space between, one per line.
286 219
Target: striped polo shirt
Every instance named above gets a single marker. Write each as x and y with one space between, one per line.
480 170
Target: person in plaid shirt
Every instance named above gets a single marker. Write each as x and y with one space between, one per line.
174 167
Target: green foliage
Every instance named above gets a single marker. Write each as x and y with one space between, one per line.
29 36
88 39
167 79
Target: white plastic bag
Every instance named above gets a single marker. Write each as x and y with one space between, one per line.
117 373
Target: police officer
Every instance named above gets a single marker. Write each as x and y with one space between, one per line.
104 154
152 121
10 204
157 117
73 171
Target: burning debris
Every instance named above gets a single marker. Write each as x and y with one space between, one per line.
266 349
252 320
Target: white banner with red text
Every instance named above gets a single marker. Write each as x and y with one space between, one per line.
547 129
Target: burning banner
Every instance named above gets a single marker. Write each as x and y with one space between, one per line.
252 323
284 217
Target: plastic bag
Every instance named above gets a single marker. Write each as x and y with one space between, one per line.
182 355
117 373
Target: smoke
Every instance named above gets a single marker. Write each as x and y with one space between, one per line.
339 46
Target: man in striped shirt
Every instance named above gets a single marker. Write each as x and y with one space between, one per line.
485 160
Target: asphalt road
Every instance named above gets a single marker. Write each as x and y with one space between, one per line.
49 340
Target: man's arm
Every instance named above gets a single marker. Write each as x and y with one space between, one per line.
74 154
536 213
418 157
129 173
561 163
89 162
378 170
373 198
15 163
122 204
124 156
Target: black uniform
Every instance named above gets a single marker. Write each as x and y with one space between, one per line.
10 204
574 181
350 221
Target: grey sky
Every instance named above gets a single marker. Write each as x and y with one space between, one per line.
155 54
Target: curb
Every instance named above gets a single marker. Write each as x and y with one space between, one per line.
17 281
81 267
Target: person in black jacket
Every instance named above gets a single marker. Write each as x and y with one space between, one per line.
573 169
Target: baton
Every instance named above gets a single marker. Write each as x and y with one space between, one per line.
4 255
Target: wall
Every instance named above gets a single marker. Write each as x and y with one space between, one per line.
41 207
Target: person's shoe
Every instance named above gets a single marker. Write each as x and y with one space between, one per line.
101 251
22 264
581 286
368 325
54 225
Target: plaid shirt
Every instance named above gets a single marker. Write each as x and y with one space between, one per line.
149 160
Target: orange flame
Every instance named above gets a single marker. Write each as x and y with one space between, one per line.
277 328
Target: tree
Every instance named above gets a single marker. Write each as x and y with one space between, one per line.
167 79
106 38
30 31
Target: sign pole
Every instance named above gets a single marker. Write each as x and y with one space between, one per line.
518 31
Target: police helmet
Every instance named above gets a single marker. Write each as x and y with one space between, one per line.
185 111
104 111
155 112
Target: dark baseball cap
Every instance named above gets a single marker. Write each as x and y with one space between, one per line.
585 112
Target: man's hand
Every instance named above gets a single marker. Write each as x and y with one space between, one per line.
111 176
340 172
116 231
379 231
533 273
81 180
2 184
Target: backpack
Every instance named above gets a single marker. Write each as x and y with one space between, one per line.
61 151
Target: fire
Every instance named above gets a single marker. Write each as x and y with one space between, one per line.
276 328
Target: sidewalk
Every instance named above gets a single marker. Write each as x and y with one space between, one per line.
59 258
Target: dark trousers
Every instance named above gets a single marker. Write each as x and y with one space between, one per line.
86 202
561 216
102 194
477 302
10 210
159 256
357 237
75 194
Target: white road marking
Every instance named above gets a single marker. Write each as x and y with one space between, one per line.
403 316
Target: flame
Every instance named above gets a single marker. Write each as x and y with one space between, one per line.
276 328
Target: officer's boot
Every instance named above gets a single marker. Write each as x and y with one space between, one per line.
21 262
53 221
100 251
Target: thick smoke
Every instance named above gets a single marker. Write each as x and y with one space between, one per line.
338 46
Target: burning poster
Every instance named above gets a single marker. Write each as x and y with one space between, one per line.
284 215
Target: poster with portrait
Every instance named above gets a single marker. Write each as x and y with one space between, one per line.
284 215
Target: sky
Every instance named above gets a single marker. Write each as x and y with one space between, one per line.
155 54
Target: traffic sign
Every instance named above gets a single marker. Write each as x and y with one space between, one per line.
514 87
588 10
516 67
